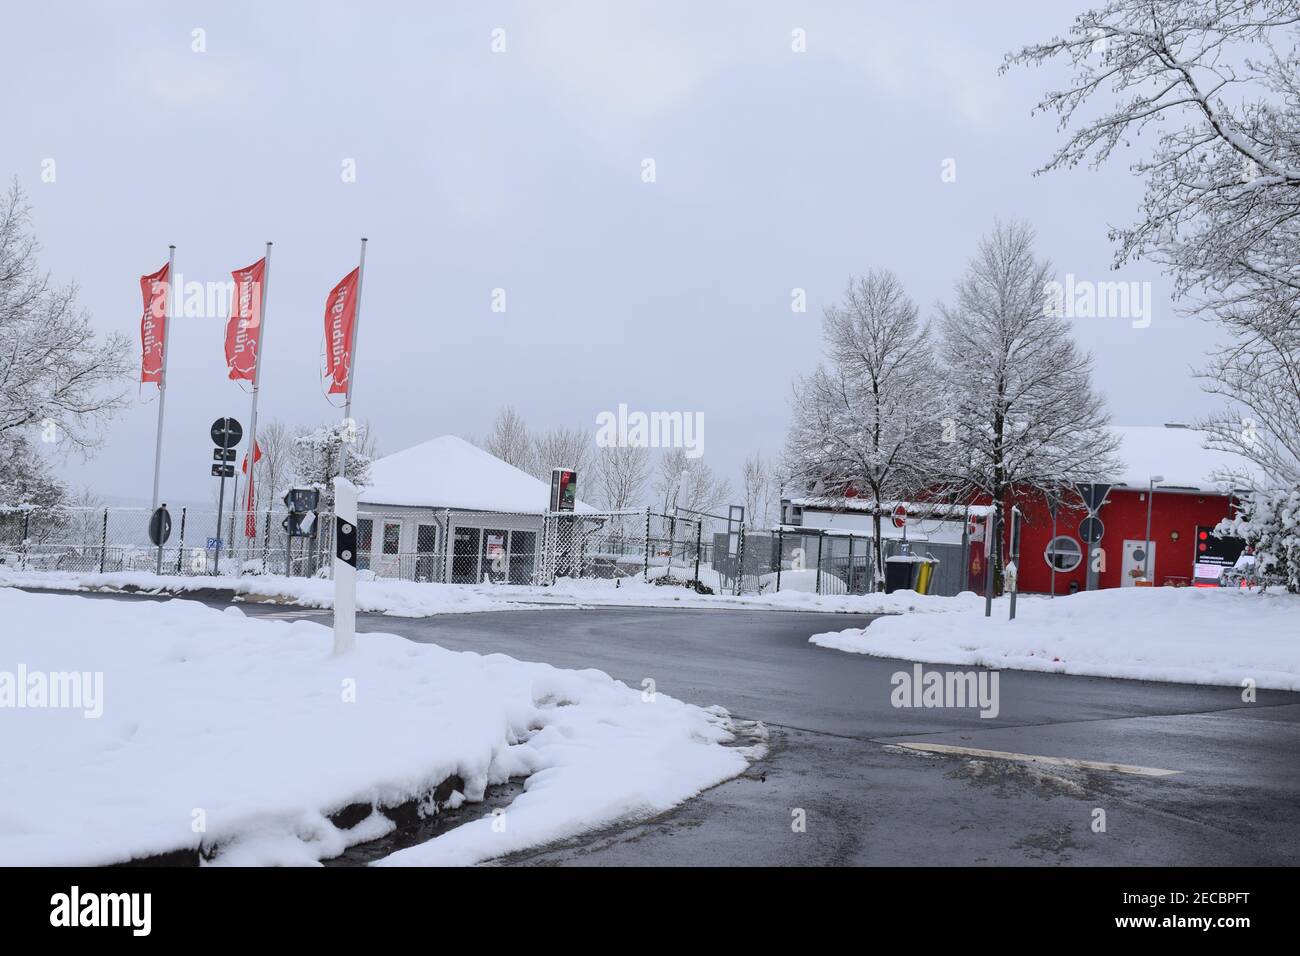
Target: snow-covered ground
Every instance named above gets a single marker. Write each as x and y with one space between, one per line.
1188 635
418 599
192 727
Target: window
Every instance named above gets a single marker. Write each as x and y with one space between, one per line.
392 537
1063 553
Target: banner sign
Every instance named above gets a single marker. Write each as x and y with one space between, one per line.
340 320
153 324
244 327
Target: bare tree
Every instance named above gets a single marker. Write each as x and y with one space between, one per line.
690 484
621 473
759 484
54 371
510 440
864 423
562 448
1022 410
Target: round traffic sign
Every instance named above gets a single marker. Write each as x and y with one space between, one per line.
900 516
226 432
1091 529
160 527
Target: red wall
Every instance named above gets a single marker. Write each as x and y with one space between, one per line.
1124 516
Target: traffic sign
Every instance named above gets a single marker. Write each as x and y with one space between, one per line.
1093 494
160 527
223 471
1091 529
214 544
226 432
900 516
223 454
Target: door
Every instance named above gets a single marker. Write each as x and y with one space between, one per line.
523 549
464 556
495 564
426 560
1135 559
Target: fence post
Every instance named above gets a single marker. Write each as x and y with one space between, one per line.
740 561
180 543
266 543
24 546
820 538
103 543
780 554
699 540
851 591
646 573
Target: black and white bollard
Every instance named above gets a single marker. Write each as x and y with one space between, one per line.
345 565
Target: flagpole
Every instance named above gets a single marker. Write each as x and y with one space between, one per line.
352 360
162 377
257 366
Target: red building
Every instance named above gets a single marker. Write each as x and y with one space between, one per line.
1186 496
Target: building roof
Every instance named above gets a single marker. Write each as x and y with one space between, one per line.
449 472
1178 455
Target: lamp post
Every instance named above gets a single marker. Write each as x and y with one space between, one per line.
1146 545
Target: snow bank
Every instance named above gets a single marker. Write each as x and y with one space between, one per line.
1186 635
240 737
419 599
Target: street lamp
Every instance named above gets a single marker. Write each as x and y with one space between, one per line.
1146 545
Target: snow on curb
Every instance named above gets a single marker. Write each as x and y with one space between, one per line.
420 599
1182 635
239 737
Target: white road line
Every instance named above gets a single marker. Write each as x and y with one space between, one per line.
1032 758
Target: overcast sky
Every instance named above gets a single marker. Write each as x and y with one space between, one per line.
522 170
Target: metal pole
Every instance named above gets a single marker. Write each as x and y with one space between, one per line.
257 365
646 574
850 575
991 532
162 391
221 502
234 506
180 545
162 376
352 358
1054 552
965 549
820 537
699 541
1146 543
780 555
103 543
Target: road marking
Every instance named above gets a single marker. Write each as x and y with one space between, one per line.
1032 758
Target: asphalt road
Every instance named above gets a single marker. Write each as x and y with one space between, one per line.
834 751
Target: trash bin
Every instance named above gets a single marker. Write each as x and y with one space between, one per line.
901 571
925 574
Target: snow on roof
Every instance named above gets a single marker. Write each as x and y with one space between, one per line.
449 472
1177 454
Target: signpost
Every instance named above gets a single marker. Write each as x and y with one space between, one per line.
226 433
1091 529
345 565
160 529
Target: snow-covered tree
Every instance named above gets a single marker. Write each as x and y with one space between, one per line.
316 460
26 481
1020 407
1216 89
55 373
1269 523
865 420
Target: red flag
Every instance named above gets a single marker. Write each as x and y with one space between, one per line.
340 319
153 325
250 519
244 327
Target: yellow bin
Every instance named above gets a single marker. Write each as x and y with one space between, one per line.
924 575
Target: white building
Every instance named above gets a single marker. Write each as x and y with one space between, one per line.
447 490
